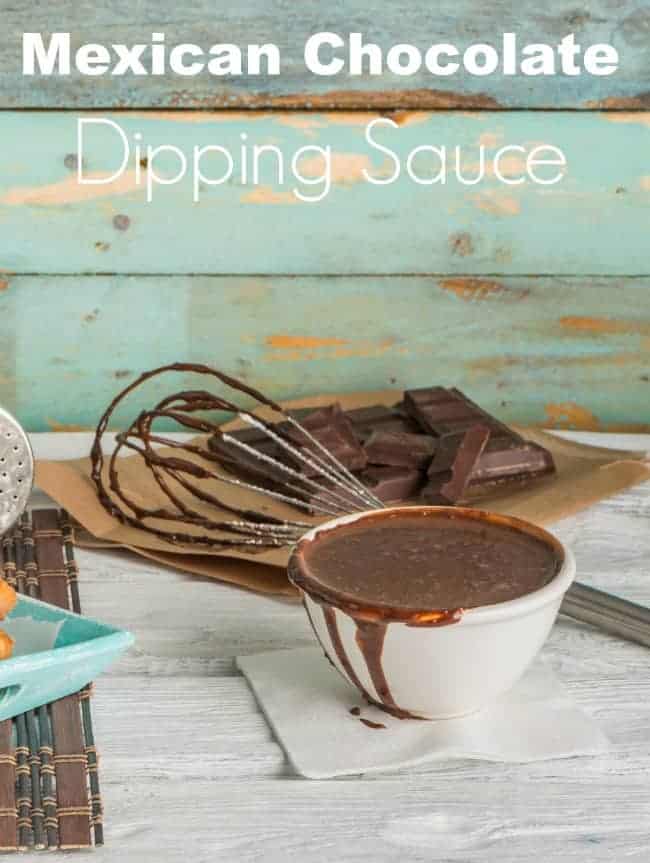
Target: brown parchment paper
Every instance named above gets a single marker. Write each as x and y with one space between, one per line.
584 476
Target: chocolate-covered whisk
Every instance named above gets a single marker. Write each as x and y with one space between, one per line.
16 470
311 478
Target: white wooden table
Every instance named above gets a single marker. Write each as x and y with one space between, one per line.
190 771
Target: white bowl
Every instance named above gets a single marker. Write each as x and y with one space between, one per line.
435 671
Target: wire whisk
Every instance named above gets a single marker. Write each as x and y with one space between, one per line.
308 476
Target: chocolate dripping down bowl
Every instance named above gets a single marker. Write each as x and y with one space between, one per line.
431 663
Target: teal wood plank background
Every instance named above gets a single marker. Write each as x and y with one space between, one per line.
561 352
594 220
623 23
98 284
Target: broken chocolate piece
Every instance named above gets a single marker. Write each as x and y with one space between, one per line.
521 459
393 484
449 491
365 421
247 465
445 453
400 449
314 420
449 415
492 422
505 460
422 396
424 432
346 451
333 430
440 411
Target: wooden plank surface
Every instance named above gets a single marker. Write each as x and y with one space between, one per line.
593 220
8 811
463 22
211 783
559 352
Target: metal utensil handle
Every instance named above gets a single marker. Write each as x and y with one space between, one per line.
610 613
16 470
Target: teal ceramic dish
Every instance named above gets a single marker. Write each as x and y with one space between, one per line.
56 653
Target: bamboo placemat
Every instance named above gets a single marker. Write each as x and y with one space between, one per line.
49 784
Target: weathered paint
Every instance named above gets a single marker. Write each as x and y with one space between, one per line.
572 415
571 352
623 23
525 347
471 289
298 343
69 191
594 220
593 326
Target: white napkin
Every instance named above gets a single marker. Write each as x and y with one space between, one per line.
307 704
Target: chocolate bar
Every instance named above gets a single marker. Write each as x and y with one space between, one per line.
393 484
331 428
368 420
444 454
389 484
238 461
441 411
328 425
496 448
436 441
525 458
400 449
505 458
449 487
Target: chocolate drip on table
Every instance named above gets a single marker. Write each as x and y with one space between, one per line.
370 637
370 724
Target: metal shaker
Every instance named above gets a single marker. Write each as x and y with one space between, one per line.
16 470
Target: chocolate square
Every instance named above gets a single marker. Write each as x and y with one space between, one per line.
393 484
400 449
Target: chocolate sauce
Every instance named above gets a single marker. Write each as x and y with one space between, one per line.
420 567
370 638
335 637
315 631
425 561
